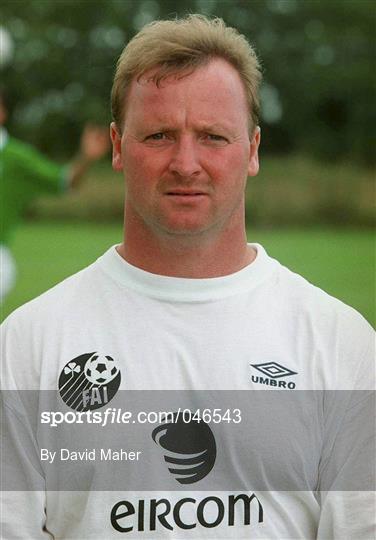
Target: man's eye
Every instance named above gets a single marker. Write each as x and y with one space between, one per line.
156 136
212 137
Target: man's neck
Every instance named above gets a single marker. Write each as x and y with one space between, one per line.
188 257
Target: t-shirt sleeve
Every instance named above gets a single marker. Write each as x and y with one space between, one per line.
23 495
23 487
346 488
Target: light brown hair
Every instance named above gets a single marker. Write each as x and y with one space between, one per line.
179 46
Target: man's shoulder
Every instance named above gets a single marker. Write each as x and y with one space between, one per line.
324 312
309 295
57 300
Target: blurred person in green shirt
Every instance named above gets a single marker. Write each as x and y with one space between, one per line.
25 174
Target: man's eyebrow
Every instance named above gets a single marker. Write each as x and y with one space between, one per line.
158 126
218 127
213 127
201 126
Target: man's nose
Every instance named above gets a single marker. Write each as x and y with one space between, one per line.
185 159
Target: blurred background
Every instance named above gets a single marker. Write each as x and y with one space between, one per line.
312 205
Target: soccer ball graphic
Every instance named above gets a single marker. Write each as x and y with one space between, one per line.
101 369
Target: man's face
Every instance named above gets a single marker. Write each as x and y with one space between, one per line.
186 153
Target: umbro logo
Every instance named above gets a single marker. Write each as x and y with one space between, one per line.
274 373
274 370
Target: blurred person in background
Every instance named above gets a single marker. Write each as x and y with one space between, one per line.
26 174
187 307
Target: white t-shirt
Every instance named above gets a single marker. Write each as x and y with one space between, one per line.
282 373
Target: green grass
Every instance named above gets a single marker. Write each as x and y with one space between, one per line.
342 262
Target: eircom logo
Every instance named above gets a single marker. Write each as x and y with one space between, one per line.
186 513
274 373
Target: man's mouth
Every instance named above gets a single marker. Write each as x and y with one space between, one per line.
185 193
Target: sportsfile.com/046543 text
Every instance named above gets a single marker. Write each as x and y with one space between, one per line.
114 415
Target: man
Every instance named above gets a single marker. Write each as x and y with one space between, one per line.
26 174
185 318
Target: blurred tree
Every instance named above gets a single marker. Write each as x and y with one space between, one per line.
318 61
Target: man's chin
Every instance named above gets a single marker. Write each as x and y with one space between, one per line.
185 229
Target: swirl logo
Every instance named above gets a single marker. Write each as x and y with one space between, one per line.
190 449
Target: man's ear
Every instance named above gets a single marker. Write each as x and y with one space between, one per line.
117 160
253 165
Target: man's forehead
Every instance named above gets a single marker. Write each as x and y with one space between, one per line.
162 115
211 94
217 71
213 89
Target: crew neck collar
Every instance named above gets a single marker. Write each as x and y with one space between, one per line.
187 289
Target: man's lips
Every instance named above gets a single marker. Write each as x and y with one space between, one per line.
185 193
186 197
